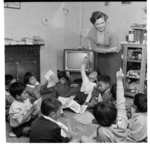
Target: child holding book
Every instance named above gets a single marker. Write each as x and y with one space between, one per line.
88 83
47 127
21 110
112 119
101 92
138 123
33 87
62 88
9 79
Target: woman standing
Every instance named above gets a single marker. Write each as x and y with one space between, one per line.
104 42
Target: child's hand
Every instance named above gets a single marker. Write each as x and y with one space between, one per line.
120 75
33 108
68 74
86 59
113 49
46 82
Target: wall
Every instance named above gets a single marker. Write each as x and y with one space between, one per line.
63 30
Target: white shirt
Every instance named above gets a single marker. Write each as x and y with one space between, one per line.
17 111
87 86
32 86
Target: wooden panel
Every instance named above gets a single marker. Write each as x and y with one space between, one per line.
24 67
11 69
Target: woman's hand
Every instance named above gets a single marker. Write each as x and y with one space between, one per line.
113 50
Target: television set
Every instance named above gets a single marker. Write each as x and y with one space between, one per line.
73 59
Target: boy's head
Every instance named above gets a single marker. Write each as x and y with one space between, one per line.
93 76
105 113
113 91
51 107
9 79
17 90
29 78
140 102
62 77
104 83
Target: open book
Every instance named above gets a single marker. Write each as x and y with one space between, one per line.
49 75
73 105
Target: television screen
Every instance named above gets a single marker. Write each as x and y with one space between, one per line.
74 59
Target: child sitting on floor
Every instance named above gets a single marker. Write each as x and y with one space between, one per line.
33 87
88 83
62 88
138 123
46 128
21 110
112 120
101 92
9 79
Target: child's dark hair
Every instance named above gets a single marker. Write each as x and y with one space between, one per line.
17 88
62 74
114 90
105 79
27 76
8 79
140 101
50 105
105 113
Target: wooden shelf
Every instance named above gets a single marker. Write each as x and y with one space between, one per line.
133 77
128 63
133 60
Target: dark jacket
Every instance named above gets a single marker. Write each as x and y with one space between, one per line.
44 130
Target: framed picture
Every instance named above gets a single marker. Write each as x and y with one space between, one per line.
13 5
126 2
106 3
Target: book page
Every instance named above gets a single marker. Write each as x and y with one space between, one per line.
49 75
62 100
74 106
83 108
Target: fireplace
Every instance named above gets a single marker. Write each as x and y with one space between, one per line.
22 58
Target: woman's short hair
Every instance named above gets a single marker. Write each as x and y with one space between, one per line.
140 101
96 15
105 113
62 74
50 105
17 88
27 76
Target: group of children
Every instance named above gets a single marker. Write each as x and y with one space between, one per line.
107 103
